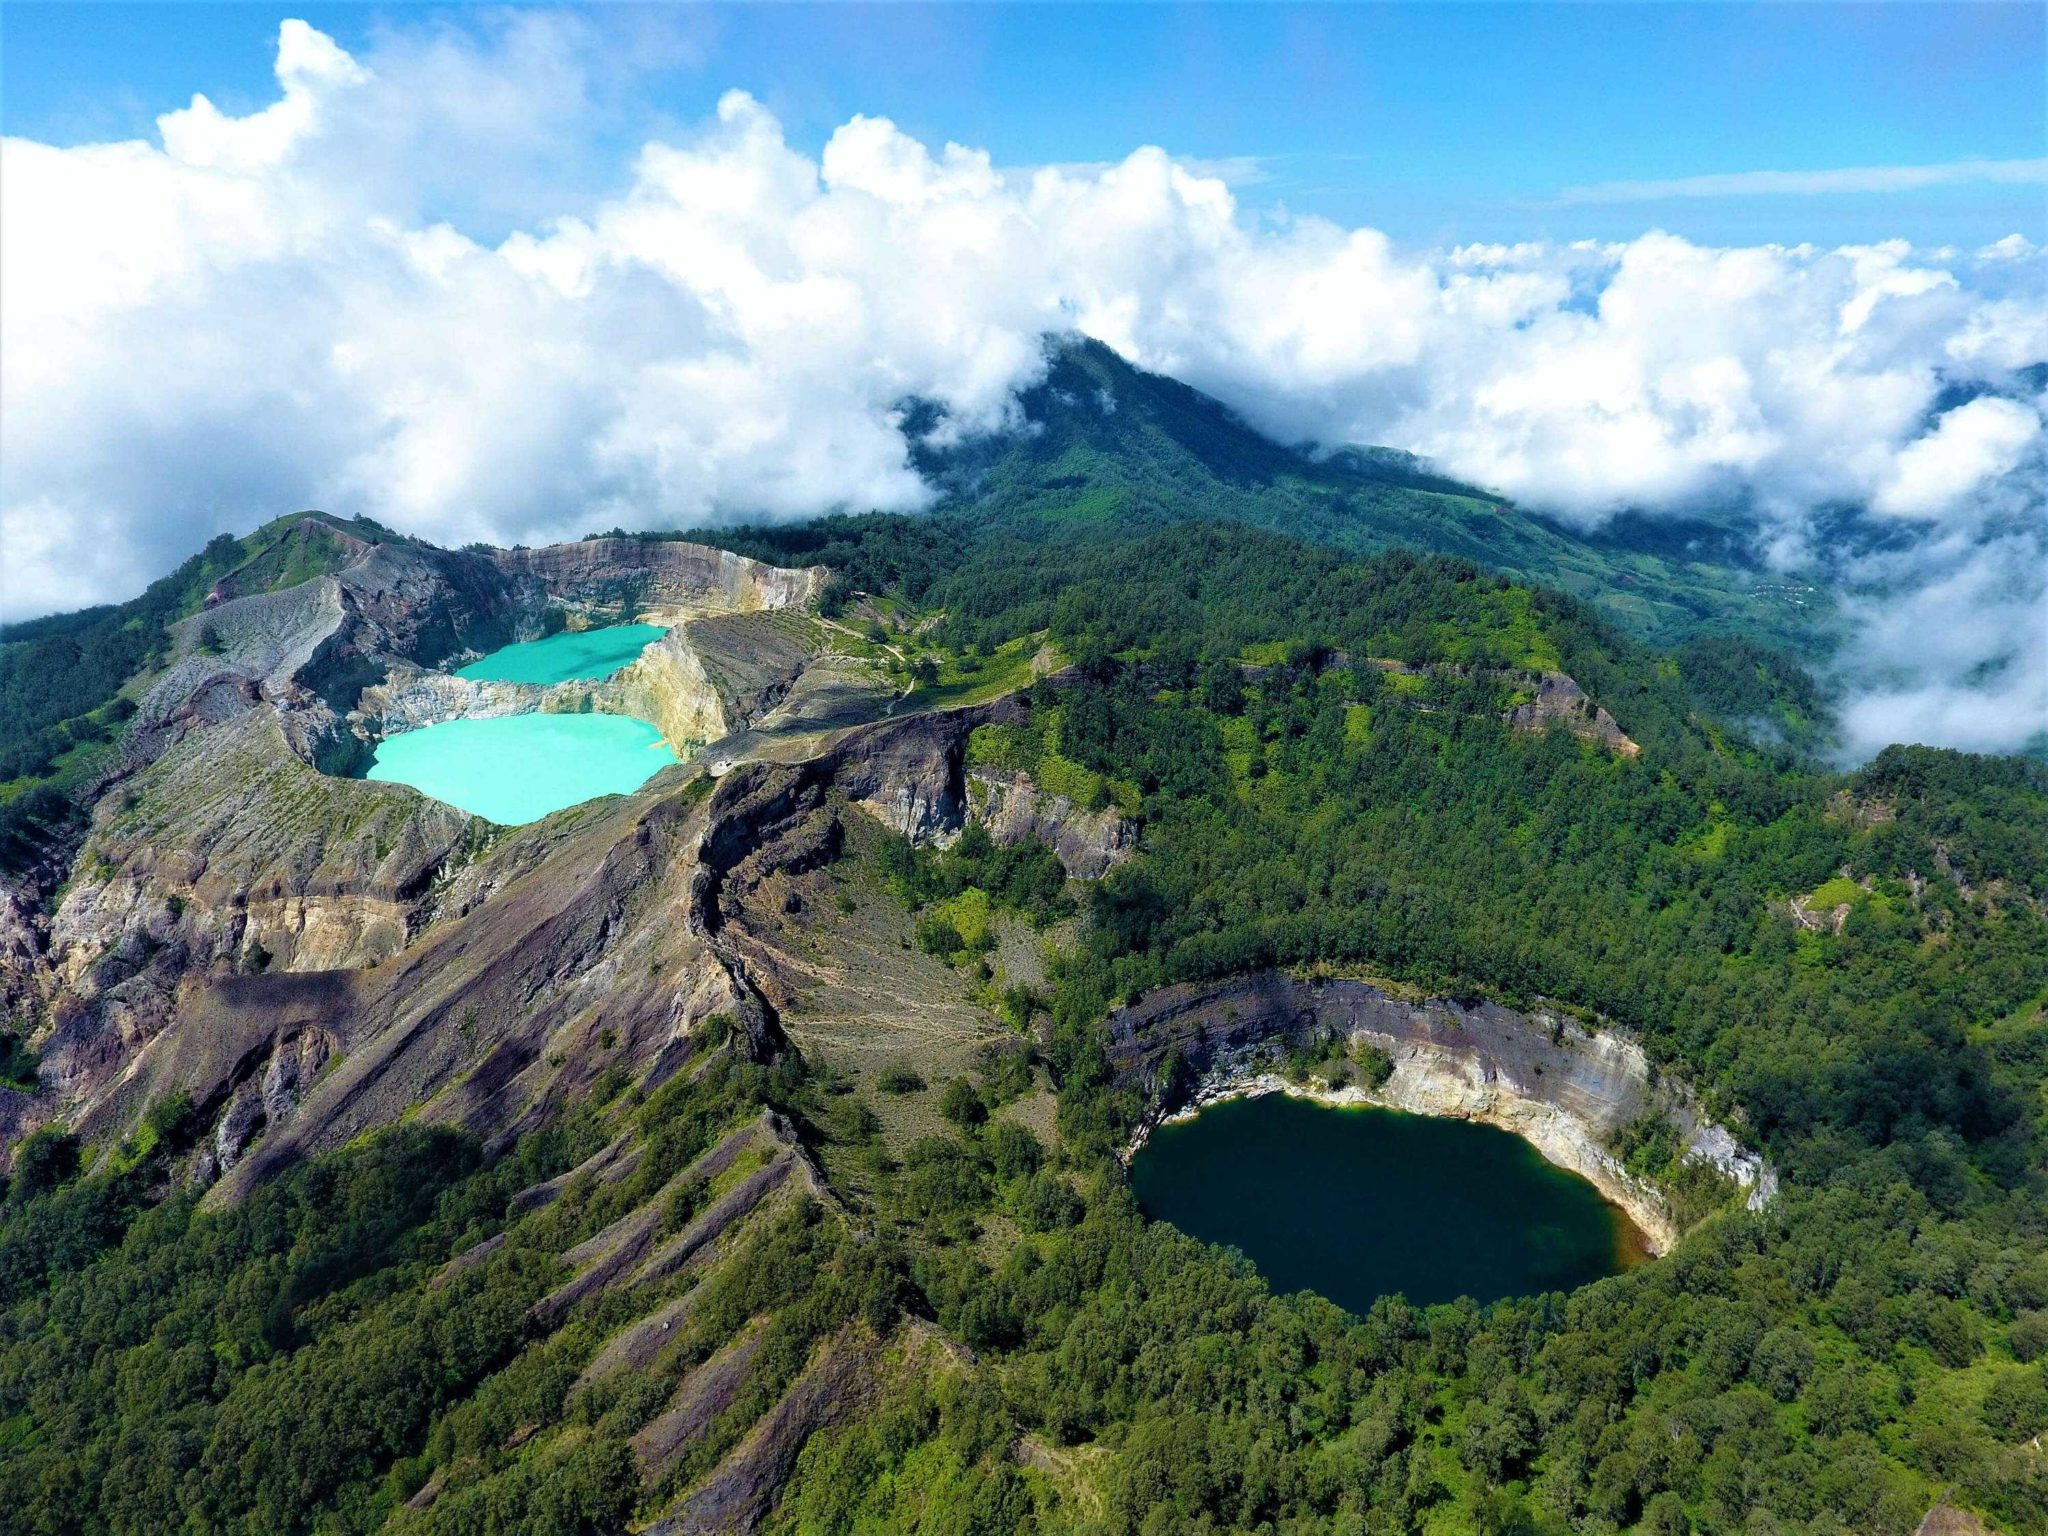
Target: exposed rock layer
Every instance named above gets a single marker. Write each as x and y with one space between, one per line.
222 852
601 939
1560 700
1014 809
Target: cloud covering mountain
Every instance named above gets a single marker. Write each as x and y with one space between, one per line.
254 313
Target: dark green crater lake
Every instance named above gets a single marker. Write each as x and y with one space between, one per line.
1357 1203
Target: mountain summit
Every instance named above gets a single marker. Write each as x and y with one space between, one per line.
1103 440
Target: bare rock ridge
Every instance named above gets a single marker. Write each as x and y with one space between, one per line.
1563 1088
601 940
223 850
743 1489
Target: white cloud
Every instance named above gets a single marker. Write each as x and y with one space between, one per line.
1867 178
1949 645
1969 448
254 314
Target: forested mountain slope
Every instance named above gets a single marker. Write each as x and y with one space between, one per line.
1107 441
732 1155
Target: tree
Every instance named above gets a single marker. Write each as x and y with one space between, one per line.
962 1104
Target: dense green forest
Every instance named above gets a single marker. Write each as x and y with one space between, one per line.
1874 1339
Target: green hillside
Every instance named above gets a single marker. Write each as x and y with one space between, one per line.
1317 752
1109 442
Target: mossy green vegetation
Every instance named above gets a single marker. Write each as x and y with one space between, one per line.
947 679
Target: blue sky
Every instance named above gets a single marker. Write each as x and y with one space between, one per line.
1437 124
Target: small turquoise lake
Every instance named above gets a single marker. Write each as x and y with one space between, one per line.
564 658
1358 1203
519 768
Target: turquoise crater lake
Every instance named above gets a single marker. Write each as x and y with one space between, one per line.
519 768
1358 1203
565 658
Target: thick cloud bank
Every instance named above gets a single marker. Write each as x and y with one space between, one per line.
252 315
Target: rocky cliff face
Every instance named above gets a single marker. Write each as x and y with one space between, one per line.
1014 809
1560 700
611 580
312 957
229 854
1564 1089
220 854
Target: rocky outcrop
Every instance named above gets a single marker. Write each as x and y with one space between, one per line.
265 1097
568 949
228 854
1563 1088
1560 700
25 979
910 774
609 580
707 678
1014 809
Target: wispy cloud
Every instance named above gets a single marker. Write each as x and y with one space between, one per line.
1868 178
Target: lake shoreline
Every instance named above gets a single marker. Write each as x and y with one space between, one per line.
1570 1146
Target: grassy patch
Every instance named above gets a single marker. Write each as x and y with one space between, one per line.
961 680
1838 892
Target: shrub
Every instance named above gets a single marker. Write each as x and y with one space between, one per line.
169 1118
1374 1065
900 1078
1013 1151
2028 1336
1045 1202
42 1162
962 1104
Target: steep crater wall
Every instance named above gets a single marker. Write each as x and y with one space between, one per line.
698 683
1563 1088
234 841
